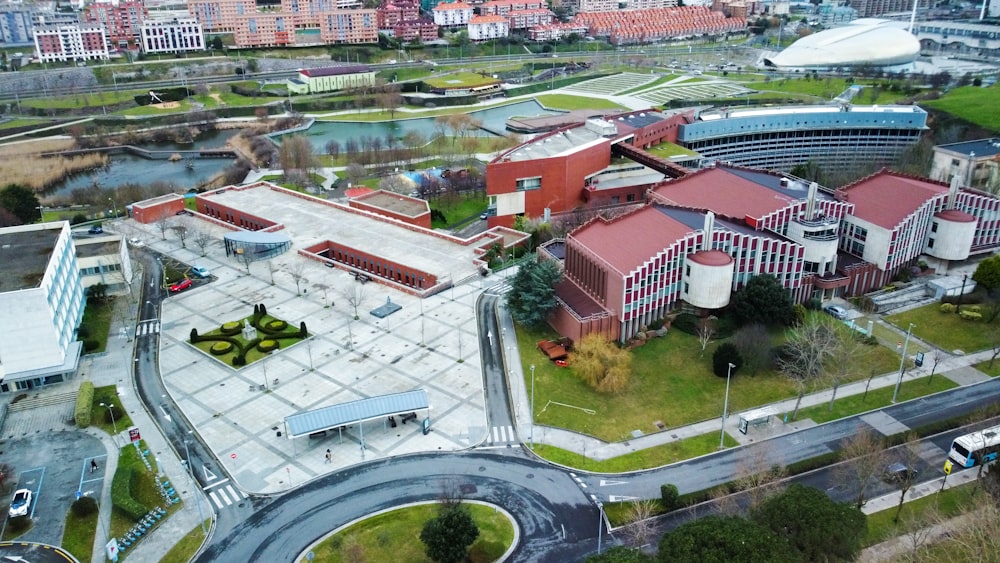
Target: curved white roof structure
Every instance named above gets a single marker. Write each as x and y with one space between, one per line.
866 41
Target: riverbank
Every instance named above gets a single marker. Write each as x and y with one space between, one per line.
23 163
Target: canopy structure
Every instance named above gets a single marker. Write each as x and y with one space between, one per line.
353 412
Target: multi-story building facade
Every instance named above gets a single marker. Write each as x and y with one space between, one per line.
401 19
961 38
104 260
337 21
392 12
873 8
524 19
835 137
177 35
596 6
40 286
505 7
484 28
71 42
120 18
648 26
15 24
977 163
452 14
553 31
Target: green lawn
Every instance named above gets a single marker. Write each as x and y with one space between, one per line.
254 353
184 550
947 331
457 209
667 150
877 398
643 459
100 417
971 103
459 80
83 99
671 383
989 370
569 102
395 536
14 123
825 89
97 320
78 537
950 502
184 106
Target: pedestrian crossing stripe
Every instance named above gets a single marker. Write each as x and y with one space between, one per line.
502 435
222 499
147 328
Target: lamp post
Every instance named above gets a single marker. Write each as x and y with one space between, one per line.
531 433
902 363
958 308
600 524
114 207
110 407
187 459
725 407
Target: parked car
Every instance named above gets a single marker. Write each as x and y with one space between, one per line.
95 230
180 286
836 311
200 271
896 473
21 503
484 215
135 241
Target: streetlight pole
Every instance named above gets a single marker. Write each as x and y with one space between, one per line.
902 363
110 407
600 524
531 433
725 407
114 207
187 459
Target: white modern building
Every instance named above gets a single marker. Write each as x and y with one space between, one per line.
105 260
452 14
41 306
177 35
71 42
484 28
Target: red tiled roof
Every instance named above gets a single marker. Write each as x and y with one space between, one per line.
626 242
711 258
724 193
358 192
955 216
886 198
452 6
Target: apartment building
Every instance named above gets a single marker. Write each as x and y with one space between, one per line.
505 7
120 18
293 22
71 42
15 24
555 31
452 14
402 20
647 26
176 35
484 28
977 163
873 8
525 19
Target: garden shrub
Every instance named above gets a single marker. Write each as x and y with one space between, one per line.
971 308
19 524
90 344
669 496
686 322
657 324
726 354
267 345
220 348
231 328
84 404
970 315
947 308
814 304
303 333
121 494
277 324
83 507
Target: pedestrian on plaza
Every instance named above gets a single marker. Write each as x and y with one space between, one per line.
329 456
93 465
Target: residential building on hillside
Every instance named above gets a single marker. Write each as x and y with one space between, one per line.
16 23
553 31
649 4
648 26
959 38
293 22
120 18
837 138
71 42
484 28
524 19
595 6
40 287
401 19
977 163
452 14
171 36
331 79
873 8
505 7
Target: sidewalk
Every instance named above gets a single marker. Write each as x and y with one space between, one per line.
114 368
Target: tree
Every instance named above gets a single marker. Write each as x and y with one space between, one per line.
723 538
759 474
297 271
354 173
669 496
296 153
181 232
706 330
447 538
202 238
621 554
864 459
532 294
813 524
21 202
908 455
987 273
640 525
762 300
390 100
753 343
355 296
724 355
804 354
847 347
601 364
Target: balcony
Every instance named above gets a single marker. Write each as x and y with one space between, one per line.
831 281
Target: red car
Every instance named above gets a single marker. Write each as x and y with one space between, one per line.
180 286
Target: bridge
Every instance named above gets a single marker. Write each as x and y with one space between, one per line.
662 165
151 154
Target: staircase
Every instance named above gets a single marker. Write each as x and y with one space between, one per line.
43 401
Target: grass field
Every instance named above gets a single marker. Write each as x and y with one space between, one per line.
950 502
460 80
457 210
395 536
78 538
947 331
184 550
825 89
100 417
877 398
971 103
83 99
642 459
24 122
671 382
989 370
182 106
570 102
97 319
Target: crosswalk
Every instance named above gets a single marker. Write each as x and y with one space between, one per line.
502 435
225 496
146 328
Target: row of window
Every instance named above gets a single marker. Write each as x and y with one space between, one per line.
387 270
99 269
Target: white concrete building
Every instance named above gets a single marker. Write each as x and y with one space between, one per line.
484 28
71 42
41 306
452 14
177 35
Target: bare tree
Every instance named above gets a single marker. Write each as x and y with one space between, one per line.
182 233
296 153
244 258
202 238
706 330
163 223
354 173
804 353
994 335
271 269
355 296
296 269
935 358
397 183
865 458
641 525
759 473
353 551
848 347
908 455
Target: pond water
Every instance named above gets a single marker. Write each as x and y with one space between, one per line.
125 168
493 119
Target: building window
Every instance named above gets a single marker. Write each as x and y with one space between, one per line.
934 226
930 243
525 184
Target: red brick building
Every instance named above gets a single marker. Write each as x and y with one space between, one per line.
121 20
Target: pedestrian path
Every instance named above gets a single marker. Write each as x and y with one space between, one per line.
147 328
502 436
223 496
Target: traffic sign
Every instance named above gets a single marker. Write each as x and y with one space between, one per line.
947 467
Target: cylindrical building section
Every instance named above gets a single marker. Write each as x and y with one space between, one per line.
951 235
708 279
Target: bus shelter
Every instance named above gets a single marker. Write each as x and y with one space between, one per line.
319 421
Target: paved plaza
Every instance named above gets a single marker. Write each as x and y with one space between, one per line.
430 345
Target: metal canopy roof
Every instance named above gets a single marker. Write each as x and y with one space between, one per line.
325 418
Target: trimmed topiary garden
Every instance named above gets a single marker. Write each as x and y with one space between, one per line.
228 344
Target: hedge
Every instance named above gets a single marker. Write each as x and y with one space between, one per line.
84 404
121 493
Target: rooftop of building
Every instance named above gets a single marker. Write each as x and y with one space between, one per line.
734 192
713 115
442 6
98 246
25 252
487 19
308 221
628 241
396 203
334 70
694 219
886 198
981 148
